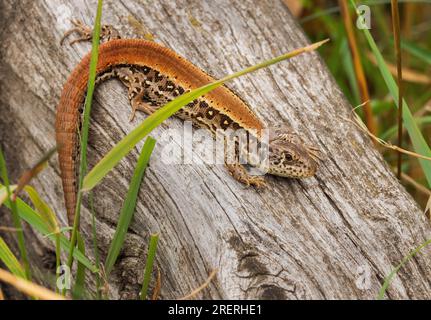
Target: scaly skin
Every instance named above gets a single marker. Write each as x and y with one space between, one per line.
154 75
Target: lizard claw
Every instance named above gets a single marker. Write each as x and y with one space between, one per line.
132 115
257 182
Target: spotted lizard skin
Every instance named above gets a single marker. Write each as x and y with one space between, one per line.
155 75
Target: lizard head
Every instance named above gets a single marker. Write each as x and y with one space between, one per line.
289 156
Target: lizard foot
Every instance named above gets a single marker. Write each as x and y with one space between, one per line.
239 172
85 32
258 182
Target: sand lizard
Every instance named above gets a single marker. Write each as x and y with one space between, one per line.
154 75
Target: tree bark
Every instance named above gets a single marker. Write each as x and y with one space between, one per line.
332 236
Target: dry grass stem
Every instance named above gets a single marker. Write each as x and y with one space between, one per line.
201 287
357 64
158 285
358 122
29 288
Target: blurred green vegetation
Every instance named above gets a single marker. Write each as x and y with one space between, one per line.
322 19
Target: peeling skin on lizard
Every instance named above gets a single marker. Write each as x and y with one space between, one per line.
155 75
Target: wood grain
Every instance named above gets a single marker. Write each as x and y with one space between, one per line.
297 239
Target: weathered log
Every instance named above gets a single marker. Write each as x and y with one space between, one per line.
336 235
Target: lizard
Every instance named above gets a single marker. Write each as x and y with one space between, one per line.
155 75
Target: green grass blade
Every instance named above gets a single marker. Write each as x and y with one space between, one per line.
57 258
33 218
4 195
49 218
129 204
78 288
149 265
45 212
419 144
95 245
336 9
128 142
15 217
10 261
349 70
388 279
392 130
417 51
86 125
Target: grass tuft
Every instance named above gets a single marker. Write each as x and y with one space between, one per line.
49 218
34 219
419 143
15 217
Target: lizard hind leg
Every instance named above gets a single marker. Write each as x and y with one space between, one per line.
85 32
138 104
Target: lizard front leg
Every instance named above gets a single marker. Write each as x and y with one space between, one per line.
239 172
85 32
236 168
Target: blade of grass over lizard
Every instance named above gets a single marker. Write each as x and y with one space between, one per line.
129 204
15 217
419 143
128 142
34 219
388 279
10 261
85 126
154 239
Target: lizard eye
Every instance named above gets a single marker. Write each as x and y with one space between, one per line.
288 156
